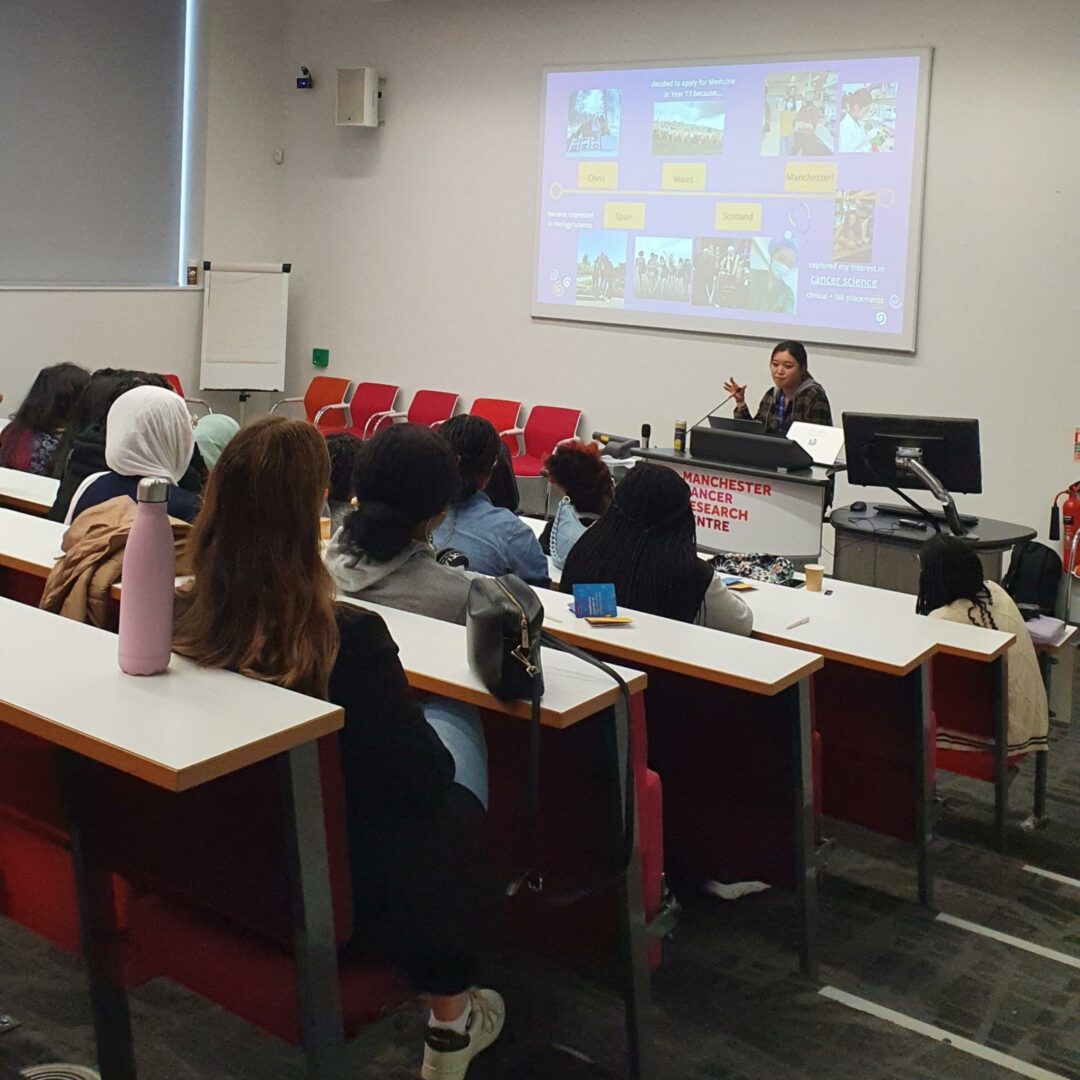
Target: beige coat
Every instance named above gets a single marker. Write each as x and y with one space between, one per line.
1029 715
78 585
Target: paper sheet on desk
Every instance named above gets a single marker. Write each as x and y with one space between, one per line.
1044 628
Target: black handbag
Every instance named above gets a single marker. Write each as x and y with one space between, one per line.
503 622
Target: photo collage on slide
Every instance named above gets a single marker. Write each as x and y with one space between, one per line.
724 192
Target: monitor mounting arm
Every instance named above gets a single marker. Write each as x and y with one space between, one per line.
909 459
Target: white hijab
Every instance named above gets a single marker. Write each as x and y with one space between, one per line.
148 433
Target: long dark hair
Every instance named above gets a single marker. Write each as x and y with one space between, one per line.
344 450
951 571
102 388
476 443
645 545
405 475
48 405
262 602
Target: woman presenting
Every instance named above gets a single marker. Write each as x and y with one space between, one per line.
795 394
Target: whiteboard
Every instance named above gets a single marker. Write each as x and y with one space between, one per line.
245 311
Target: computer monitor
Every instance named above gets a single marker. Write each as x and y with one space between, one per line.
947 447
730 423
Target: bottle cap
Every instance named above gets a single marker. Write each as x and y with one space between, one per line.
153 489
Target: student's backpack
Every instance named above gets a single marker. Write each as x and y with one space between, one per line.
1033 577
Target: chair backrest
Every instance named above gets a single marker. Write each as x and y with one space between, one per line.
369 399
327 390
174 383
961 694
548 425
502 412
431 407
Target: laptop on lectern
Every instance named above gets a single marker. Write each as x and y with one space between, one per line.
821 442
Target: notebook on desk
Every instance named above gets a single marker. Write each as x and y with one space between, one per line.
821 442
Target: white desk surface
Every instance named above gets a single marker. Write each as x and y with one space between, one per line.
29 543
175 730
1065 636
866 627
685 648
25 491
433 654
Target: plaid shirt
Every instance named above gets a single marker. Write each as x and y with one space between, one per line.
811 406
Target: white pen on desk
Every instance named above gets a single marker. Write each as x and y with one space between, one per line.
551 618
798 622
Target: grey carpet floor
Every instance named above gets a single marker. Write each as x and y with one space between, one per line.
727 1002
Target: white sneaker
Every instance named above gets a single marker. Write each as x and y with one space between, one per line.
447 1053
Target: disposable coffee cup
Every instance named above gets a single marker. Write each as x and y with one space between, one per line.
815 572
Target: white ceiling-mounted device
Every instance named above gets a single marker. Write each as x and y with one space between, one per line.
357 97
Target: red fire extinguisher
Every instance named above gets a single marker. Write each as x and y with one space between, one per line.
1070 511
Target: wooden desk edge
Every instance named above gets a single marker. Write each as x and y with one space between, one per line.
21 566
159 775
521 709
613 648
846 658
978 657
25 506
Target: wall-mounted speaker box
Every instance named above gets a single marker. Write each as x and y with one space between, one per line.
357 97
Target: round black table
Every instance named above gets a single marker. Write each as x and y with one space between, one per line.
873 548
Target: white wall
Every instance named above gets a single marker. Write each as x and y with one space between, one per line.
412 245
237 190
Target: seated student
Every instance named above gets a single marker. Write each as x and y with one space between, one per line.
212 433
30 440
344 450
81 452
579 475
795 393
405 477
148 433
645 545
262 604
493 539
951 587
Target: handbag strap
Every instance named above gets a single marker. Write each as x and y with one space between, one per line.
629 795
532 878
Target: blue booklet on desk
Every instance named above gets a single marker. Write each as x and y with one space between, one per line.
593 600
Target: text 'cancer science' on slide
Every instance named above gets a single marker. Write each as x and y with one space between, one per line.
765 198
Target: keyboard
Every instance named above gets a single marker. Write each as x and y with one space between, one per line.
895 510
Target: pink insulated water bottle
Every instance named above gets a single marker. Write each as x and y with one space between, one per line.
149 576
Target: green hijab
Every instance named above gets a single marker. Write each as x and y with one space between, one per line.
212 432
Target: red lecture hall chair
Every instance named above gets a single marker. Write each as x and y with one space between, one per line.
323 392
546 427
174 382
430 408
503 415
370 409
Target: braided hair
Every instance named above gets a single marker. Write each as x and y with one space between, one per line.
405 475
645 545
344 450
951 571
476 443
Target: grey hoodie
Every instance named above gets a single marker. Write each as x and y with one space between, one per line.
412 580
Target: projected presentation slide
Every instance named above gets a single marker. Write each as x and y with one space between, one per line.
764 198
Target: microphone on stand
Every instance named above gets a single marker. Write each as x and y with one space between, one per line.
646 432
713 409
